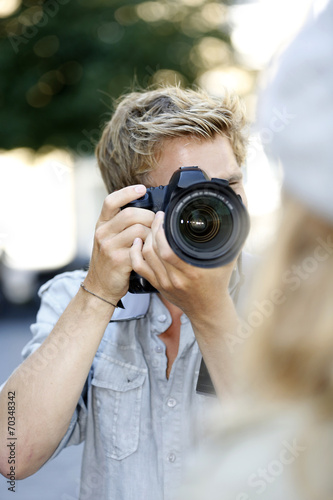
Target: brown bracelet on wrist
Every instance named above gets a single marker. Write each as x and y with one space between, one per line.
119 303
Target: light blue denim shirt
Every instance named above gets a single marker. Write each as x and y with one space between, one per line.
137 425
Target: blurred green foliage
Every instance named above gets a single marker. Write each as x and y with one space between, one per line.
63 62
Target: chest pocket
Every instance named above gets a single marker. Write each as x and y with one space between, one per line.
117 397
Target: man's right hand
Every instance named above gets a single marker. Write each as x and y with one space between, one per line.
116 229
82 324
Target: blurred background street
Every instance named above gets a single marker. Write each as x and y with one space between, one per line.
62 65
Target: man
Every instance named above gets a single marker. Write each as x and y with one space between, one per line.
127 387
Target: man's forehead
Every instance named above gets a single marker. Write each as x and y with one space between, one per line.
213 155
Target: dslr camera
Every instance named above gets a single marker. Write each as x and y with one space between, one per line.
205 222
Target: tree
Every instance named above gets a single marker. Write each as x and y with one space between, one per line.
64 61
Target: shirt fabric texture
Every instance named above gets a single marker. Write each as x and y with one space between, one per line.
137 425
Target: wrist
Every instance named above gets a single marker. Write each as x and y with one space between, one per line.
208 307
110 302
93 304
97 286
214 318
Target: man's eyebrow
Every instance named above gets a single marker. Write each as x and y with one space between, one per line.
235 177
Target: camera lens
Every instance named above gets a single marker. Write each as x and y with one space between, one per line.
197 223
204 224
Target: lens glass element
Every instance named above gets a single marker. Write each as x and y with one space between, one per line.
203 223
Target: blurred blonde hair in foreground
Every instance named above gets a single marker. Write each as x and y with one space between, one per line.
286 365
295 341
283 372
278 443
290 354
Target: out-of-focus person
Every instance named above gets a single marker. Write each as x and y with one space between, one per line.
278 443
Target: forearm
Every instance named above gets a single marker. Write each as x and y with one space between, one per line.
47 393
212 330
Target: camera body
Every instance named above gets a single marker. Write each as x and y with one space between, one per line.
205 221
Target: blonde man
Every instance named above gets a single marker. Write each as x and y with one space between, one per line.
127 387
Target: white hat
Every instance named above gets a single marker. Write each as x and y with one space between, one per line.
302 91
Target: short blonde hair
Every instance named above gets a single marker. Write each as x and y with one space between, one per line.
290 354
127 150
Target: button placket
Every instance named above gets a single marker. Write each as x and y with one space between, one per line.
155 363
184 319
171 402
171 457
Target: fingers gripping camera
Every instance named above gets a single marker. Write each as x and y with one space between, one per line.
205 224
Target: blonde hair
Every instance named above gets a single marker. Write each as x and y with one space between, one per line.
290 354
130 142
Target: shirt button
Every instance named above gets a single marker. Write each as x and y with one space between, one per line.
159 349
162 318
171 402
171 457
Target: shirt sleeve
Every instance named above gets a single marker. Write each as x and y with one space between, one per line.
55 295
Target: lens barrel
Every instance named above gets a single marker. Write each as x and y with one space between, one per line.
206 224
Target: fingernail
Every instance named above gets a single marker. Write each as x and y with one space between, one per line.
159 215
140 188
137 241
